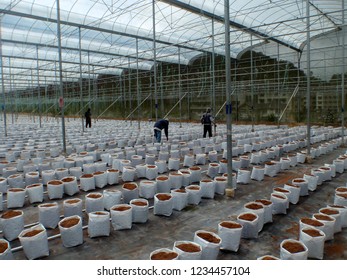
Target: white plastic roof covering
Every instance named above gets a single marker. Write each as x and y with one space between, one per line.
114 33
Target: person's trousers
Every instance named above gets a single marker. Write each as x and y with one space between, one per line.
207 130
157 135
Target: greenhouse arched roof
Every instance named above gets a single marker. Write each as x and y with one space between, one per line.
112 35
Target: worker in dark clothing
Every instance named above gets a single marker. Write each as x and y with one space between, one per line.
158 127
207 121
88 116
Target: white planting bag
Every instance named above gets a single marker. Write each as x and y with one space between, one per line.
207 187
147 189
163 254
188 250
72 207
94 202
99 224
12 223
130 191
139 210
194 194
5 250
312 181
249 222
180 199
111 198
34 242
71 231
230 233
314 240
291 249
15 197
280 202
112 176
35 192
163 204
121 216
49 214
209 242
329 224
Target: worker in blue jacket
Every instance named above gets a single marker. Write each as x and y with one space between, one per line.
158 127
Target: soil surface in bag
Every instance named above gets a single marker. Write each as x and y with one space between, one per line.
293 247
220 179
69 223
194 188
312 222
113 170
162 178
312 232
100 213
206 181
121 208
87 176
55 183
254 206
164 256
94 195
189 248
341 189
293 186
281 190
163 197
129 186
3 247
98 173
230 225
247 217
329 211
72 201
47 205
16 190
32 233
264 201
208 237
139 203
344 195
180 190
268 258
10 214
33 186
278 196
322 217
68 179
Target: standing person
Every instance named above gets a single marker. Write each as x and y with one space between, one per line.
207 121
158 127
88 116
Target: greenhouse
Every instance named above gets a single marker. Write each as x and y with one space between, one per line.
266 170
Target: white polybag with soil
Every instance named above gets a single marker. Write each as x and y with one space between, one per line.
34 242
73 207
291 249
15 198
5 250
121 216
188 250
207 188
163 254
180 199
99 224
35 192
12 224
209 242
139 210
230 233
163 204
94 202
314 240
249 222
49 214
71 231
111 198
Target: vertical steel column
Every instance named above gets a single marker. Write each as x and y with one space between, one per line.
81 84
11 93
179 84
252 85
137 84
228 91
213 78
129 87
2 82
155 62
38 84
61 76
343 76
308 89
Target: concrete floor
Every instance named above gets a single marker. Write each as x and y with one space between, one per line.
161 232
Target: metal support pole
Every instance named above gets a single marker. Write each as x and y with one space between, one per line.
38 84
308 89
227 91
179 84
213 79
343 76
252 86
61 77
3 82
81 84
155 63
137 85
